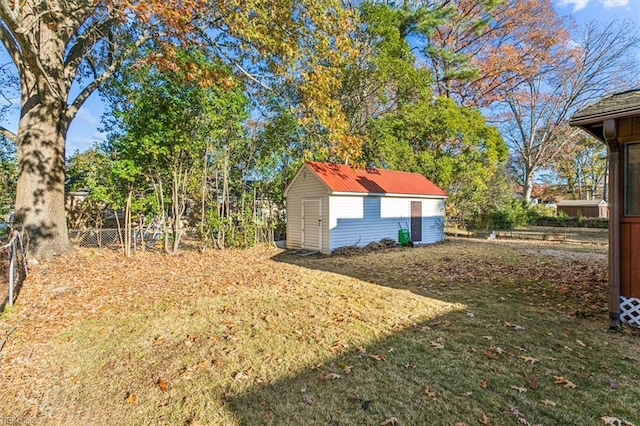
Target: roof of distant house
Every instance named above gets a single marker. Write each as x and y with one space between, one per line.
343 178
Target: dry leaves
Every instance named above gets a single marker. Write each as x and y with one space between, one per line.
429 393
438 343
529 359
549 403
514 326
329 376
490 355
389 421
484 383
131 398
519 389
614 421
346 369
561 380
381 357
161 384
485 420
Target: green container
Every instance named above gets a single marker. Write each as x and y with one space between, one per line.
403 237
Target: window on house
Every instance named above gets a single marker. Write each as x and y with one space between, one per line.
632 180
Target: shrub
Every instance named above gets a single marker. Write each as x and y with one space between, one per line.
510 216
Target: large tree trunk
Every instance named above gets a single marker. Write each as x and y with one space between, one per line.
40 203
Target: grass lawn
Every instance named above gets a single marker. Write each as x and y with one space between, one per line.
466 332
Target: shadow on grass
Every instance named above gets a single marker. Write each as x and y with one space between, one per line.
456 367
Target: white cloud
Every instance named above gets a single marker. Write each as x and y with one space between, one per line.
81 141
614 3
84 115
577 4
581 4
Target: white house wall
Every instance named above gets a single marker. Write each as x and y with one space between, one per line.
360 220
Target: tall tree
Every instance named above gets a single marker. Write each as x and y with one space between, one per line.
450 144
478 49
57 43
582 166
166 122
601 60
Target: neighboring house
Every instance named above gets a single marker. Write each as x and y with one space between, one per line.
585 208
333 205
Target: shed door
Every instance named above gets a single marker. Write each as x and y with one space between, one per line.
416 221
311 224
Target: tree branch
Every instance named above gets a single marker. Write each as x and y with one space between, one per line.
8 134
72 110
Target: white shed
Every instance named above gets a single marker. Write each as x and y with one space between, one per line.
333 205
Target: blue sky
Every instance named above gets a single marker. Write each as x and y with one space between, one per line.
84 132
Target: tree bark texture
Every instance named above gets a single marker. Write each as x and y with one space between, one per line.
40 202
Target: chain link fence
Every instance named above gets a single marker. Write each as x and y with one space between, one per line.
13 266
112 238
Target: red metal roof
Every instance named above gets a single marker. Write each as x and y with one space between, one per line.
342 178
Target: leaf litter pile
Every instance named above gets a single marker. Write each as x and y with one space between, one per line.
466 332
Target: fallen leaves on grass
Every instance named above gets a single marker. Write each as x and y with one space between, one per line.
429 392
614 421
561 380
484 383
381 357
550 403
519 415
485 420
389 421
131 398
529 359
514 326
519 389
346 369
241 375
490 355
438 344
329 376
162 385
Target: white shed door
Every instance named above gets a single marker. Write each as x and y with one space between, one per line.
311 224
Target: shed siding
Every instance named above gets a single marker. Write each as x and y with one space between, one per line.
305 185
359 220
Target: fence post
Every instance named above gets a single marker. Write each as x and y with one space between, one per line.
12 256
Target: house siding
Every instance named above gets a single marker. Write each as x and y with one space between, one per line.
360 220
305 185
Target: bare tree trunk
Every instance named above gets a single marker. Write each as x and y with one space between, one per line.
127 226
40 207
203 204
528 186
178 188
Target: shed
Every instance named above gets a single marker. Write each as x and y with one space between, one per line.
333 205
615 120
585 208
